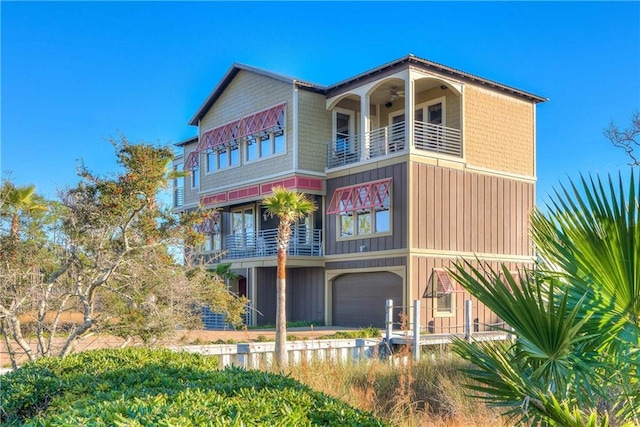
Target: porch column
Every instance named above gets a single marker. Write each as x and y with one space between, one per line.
410 110
364 127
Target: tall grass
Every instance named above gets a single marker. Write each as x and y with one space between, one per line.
403 392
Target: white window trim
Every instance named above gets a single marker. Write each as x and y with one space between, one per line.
217 159
371 235
334 121
194 171
448 312
425 107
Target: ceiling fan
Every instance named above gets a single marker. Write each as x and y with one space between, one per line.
395 92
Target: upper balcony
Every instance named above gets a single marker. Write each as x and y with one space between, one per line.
406 112
393 139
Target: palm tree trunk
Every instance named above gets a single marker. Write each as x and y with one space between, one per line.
15 226
282 359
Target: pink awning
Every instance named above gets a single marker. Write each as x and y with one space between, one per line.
218 136
368 195
439 284
249 125
445 286
258 122
192 160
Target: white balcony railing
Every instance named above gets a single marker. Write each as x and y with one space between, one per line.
392 139
263 243
439 139
343 151
178 196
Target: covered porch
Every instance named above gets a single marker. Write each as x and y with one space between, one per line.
407 112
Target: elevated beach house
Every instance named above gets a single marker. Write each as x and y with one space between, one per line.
413 165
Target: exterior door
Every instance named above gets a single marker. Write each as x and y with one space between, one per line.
243 228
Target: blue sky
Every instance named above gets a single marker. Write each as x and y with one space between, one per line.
74 73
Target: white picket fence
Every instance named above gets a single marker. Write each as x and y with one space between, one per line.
261 354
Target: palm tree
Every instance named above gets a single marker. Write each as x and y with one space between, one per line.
289 207
17 200
576 357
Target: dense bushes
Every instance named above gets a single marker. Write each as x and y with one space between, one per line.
159 387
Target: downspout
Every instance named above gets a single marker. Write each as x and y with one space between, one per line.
295 126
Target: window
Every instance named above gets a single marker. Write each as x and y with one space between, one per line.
441 289
257 135
223 157
211 229
195 177
265 145
362 210
343 130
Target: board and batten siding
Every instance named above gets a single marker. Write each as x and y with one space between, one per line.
455 210
397 239
305 294
422 269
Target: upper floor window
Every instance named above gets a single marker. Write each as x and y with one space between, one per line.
251 138
265 144
362 210
223 157
195 177
192 164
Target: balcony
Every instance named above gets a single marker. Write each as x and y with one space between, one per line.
178 196
392 139
263 243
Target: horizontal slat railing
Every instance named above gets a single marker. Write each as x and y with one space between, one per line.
439 139
386 140
343 151
178 196
263 243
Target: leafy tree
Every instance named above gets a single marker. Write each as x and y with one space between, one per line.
103 255
575 360
627 139
289 207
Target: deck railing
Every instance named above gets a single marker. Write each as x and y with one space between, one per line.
439 139
304 242
392 139
178 196
343 151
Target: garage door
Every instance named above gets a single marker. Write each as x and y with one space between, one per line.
358 299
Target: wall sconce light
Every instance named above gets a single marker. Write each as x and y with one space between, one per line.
388 104
443 87
265 216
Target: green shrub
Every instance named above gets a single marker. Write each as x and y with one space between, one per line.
160 387
369 332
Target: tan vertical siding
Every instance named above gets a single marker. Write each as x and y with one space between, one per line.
457 210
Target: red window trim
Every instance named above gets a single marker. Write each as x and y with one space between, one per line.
368 195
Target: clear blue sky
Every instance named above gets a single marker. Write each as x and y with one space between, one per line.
74 74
